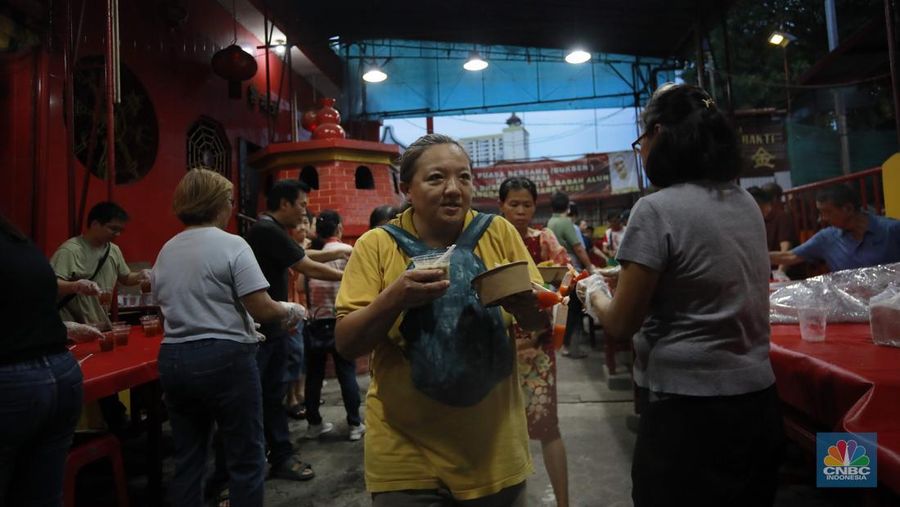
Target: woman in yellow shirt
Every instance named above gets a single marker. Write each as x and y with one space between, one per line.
418 448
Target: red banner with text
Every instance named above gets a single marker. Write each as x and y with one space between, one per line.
582 179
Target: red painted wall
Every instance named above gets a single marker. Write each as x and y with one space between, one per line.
173 66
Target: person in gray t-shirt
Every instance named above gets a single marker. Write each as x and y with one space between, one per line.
694 289
210 290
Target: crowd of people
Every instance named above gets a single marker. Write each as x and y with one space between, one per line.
457 388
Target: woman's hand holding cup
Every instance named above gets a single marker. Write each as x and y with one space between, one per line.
418 287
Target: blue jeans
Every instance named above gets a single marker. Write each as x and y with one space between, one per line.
315 374
40 402
272 361
206 382
296 362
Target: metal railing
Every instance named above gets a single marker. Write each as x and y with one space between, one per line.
801 201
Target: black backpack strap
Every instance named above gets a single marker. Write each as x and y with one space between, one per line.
66 300
410 245
469 238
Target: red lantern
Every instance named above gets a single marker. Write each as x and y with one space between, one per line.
308 120
329 131
235 65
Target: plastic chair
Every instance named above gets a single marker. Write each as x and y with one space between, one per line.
106 446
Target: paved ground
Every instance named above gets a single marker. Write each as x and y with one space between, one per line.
595 423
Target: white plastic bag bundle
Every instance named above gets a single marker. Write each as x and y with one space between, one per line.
884 316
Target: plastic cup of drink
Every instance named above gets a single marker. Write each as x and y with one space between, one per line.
107 341
560 317
151 325
105 298
813 323
433 261
120 332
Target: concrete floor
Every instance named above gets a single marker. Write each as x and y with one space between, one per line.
595 422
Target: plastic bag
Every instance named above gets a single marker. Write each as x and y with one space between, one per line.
845 294
586 288
884 316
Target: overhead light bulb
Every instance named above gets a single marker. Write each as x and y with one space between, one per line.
577 56
374 75
475 62
279 47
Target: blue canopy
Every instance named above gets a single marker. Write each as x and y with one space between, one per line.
427 79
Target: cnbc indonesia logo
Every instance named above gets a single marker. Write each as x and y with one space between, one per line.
846 462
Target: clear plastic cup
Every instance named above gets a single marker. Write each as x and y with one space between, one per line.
433 261
813 323
105 297
560 318
107 341
121 330
151 325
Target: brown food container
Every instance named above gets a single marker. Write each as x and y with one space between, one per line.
502 281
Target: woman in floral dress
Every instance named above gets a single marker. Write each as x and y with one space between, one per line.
537 358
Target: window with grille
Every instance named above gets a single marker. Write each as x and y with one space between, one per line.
208 147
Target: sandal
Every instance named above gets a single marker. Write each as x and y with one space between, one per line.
296 412
293 470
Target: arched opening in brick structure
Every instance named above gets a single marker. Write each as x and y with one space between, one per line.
310 176
364 178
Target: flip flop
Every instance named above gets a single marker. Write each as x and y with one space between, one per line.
293 470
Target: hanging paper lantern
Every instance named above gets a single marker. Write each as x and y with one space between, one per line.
235 65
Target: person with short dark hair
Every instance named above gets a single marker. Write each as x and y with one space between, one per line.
381 215
536 353
693 294
570 238
853 238
779 227
614 233
276 252
321 294
94 256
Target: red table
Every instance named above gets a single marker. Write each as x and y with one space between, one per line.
132 366
107 373
846 383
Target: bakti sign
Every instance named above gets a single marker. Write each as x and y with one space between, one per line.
763 144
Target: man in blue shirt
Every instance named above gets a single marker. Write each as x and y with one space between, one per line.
855 239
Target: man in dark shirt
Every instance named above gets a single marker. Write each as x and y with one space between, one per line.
276 252
779 226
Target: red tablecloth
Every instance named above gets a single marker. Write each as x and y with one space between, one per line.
106 373
846 383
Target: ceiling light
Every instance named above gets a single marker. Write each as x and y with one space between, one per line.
279 46
374 74
779 38
577 56
475 62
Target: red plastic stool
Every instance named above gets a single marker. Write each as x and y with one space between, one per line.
106 446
